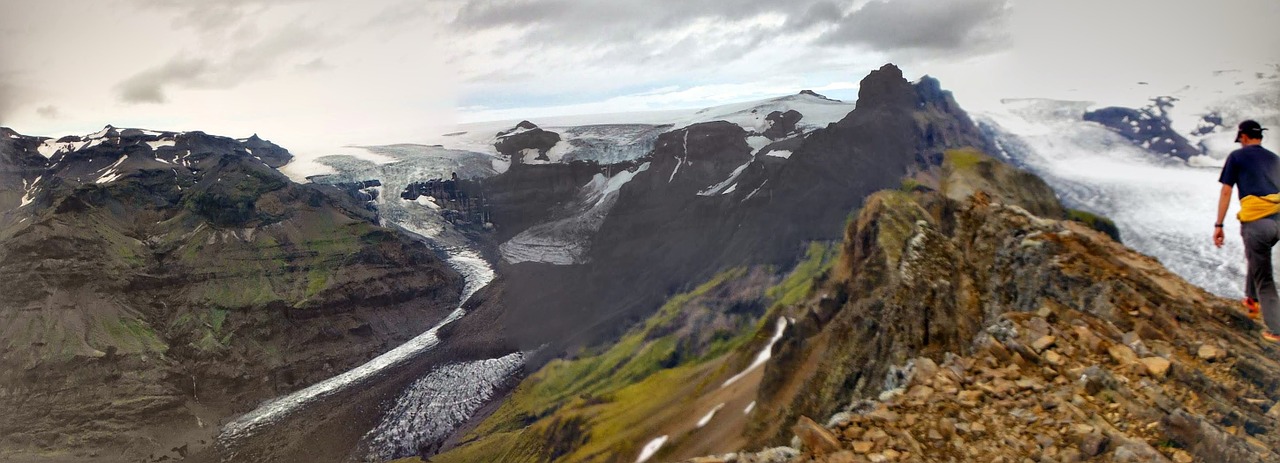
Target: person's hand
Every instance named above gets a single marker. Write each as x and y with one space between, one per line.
1218 236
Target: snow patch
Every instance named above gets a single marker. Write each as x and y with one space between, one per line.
683 159
651 449
757 190
28 194
707 418
155 145
764 354
757 143
719 188
784 154
751 406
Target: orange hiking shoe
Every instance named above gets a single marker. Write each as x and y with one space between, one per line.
1268 336
1252 308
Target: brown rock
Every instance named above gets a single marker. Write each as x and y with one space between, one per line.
1044 343
977 429
969 398
863 446
853 432
920 391
843 456
1275 411
1053 358
1156 367
1122 354
1210 352
883 415
1088 340
815 438
1093 444
1181 456
925 369
876 434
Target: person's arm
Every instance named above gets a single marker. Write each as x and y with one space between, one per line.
1224 201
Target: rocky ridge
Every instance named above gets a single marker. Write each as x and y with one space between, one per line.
975 331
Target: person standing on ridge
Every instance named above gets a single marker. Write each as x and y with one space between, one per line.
1256 172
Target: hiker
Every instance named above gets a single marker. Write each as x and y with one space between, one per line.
1255 171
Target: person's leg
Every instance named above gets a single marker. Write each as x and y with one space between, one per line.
1259 237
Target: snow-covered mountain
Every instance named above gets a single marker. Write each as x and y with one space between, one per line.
616 138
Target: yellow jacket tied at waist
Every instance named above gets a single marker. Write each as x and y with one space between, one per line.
1258 207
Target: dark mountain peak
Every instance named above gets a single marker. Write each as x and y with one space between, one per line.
815 95
885 87
270 153
526 136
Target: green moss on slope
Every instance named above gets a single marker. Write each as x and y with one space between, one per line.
598 406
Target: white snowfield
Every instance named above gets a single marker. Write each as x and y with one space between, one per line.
613 138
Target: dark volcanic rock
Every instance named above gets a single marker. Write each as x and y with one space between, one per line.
270 153
782 124
1148 127
526 136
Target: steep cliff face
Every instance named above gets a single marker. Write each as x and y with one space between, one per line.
162 282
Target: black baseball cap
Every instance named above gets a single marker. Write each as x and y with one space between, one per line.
1251 128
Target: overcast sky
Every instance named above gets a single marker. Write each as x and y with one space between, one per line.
314 74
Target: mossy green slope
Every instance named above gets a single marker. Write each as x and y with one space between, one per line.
602 406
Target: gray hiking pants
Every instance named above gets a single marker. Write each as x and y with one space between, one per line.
1259 237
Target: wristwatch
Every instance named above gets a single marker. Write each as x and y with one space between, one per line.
1217 225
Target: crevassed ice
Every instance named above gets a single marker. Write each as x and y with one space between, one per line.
433 406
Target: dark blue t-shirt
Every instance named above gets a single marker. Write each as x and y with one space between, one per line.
1253 170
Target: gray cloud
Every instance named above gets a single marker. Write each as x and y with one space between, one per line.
8 100
924 25
242 65
607 34
49 112
149 86
208 16
821 12
315 65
